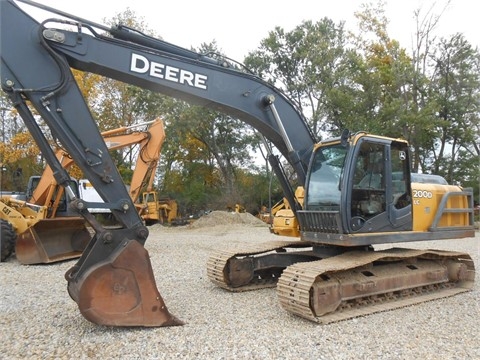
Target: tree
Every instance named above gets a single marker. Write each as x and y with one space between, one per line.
309 63
456 91
387 77
18 152
205 145
422 127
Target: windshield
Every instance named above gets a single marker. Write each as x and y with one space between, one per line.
323 190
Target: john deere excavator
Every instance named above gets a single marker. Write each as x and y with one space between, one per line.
358 190
43 229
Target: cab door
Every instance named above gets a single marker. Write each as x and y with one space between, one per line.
379 187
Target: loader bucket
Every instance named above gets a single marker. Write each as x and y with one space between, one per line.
121 290
52 240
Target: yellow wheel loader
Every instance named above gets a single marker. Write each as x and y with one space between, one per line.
39 236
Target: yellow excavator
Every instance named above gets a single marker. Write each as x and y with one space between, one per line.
43 229
360 193
358 186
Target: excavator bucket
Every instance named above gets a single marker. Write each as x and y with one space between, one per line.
121 290
52 240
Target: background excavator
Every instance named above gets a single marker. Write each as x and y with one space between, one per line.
358 189
43 229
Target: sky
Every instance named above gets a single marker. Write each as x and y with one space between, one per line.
239 27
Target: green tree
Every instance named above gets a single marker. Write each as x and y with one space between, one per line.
309 63
386 78
422 128
456 90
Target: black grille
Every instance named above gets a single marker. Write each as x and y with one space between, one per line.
319 221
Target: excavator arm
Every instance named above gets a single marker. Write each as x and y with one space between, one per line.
156 65
113 282
147 161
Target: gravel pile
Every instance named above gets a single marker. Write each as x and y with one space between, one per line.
221 218
38 319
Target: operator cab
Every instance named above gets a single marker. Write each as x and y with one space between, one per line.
358 186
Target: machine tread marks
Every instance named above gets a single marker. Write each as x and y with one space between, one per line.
7 239
302 282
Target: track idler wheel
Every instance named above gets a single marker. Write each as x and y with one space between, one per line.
121 291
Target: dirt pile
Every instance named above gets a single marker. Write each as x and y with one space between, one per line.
216 218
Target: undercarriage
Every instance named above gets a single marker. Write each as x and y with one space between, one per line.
329 284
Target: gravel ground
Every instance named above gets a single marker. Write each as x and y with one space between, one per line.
40 321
